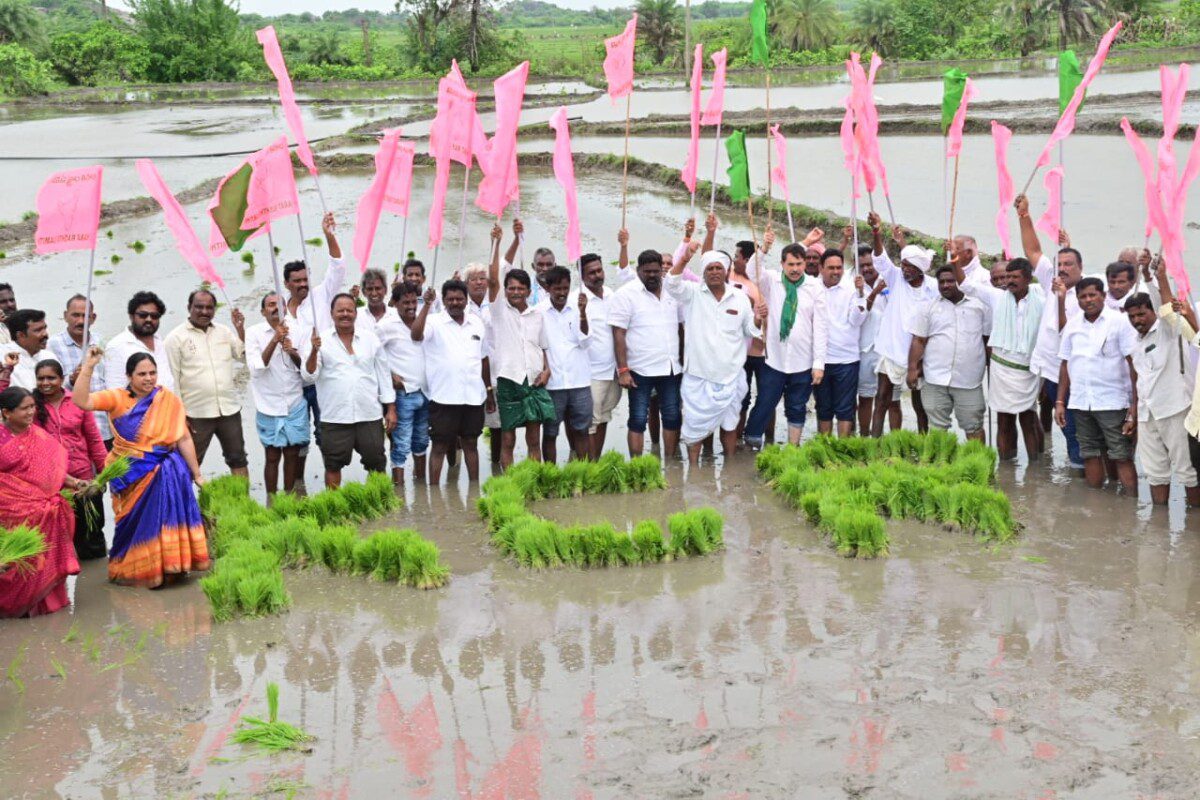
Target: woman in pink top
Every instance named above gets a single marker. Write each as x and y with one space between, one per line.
75 429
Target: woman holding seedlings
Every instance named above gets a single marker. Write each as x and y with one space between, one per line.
33 469
159 532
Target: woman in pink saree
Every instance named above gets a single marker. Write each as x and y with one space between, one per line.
33 469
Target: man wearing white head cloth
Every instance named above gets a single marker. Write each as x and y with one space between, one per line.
719 323
908 291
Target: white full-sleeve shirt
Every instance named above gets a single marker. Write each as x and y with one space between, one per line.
846 312
314 310
276 386
904 301
1045 360
351 386
516 341
807 345
717 332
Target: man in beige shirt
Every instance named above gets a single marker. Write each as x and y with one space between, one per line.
201 355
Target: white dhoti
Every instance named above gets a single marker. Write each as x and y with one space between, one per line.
709 406
1011 390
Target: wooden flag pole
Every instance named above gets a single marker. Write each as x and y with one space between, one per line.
770 204
625 169
462 215
854 223
953 199
758 272
87 317
712 195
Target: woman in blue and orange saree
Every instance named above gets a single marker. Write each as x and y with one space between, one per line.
159 533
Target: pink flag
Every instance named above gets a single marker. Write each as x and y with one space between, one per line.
1001 136
499 163
1066 122
1051 220
68 207
1158 210
564 173
371 204
716 96
850 156
455 133
177 222
399 185
287 96
692 164
779 171
272 191
955 134
437 208
618 63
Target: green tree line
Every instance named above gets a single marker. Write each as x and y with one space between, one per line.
84 43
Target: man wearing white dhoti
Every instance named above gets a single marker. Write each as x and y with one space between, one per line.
718 324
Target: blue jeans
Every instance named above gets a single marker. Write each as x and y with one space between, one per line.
310 397
795 388
837 392
1073 454
411 434
669 408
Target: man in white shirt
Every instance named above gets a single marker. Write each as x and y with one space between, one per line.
354 388
8 304
568 332
30 335
647 332
377 311
606 392
145 315
908 289
1121 278
1165 381
543 260
846 310
202 354
720 323
70 350
406 359
796 332
868 378
1097 383
974 273
516 348
457 376
948 350
281 412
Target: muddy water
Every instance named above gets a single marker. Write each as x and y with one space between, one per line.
1059 666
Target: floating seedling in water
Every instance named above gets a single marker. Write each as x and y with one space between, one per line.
114 259
271 734
843 486
19 548
137 246
13 673
276 250
109 233
314 241
59 669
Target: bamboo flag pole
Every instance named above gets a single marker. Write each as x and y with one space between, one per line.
462 215
953 200
625 168
854 222
712 196
87 318
770 204
280 305
758 272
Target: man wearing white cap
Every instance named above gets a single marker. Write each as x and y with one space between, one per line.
908 291
720 323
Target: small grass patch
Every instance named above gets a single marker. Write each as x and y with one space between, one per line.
846 486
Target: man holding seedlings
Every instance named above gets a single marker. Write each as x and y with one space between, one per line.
406 360
281 413
846 309
354 387
948 352
516 348
1165 381
202 354
1096 383
908 290
720 322
456 374
568 331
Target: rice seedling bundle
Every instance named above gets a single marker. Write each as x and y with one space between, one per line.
843 486
271 734
19 547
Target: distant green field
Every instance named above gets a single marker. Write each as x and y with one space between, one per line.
565 50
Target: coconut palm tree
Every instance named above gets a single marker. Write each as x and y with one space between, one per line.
805 24
1075 20
874 25
19 23
1029 17
660 26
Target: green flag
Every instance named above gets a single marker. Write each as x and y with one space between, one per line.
1069 78
739 167
231 208
760 48
954 81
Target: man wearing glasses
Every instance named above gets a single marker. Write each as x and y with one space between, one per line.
145 314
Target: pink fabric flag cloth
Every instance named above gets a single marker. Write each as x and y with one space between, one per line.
1066 122
692 165
1160 213
850 155
1050 222
456 133
716 96
68 207
500 178
618 63
287 95
370 206
564 173
399 185
177 222
954 136
1001 136
272 191
779 171
437 207
1155 214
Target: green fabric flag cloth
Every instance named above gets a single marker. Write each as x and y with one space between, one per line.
1069 78
954 81
760 47
231 210
739 167
791 300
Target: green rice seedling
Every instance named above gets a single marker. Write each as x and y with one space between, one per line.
59 669
137 246
540 545
770 462
361 501
263 593
225 487
976 468
329 507
271 734
504 537
686 536
114 259
625 550
712 525
810 504
286 504
574 478
91 648
645 473
571 546
503 511
648 539
335 548
72 633
382 554
422 567
995 518
294 540
609 476
382 492
13 673
248 258
901 444
19 547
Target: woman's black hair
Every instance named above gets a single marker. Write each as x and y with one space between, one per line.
12 397
43 414
131 364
